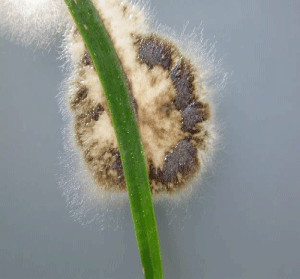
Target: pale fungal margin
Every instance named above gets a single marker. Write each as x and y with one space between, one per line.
171 105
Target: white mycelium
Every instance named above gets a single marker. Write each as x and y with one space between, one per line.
32 22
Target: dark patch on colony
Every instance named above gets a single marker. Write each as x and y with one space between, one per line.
153 51
194 113
75 33
94 113
124 9
155 174
78 134
87 59
182 159
134 104
117 165
89 158
112 163
182 78
132 99
80 97
106 168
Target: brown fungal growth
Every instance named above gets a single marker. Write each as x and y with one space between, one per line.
182 78
170 111
79 97
153 52
193 114
94 114
182 159
87 60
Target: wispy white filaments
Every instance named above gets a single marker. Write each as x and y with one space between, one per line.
32 22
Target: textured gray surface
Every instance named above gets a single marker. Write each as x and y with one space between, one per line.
245 224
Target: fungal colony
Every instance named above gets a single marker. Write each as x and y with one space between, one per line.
170 95
170 104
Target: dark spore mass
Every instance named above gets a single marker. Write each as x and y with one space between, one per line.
152 52
133 100
155 174
152 172
181 159
94 114
182 79
80 96
134 105
87 60
117 165
191 116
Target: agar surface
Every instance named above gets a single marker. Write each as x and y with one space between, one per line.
170 104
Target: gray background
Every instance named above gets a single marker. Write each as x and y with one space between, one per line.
246 222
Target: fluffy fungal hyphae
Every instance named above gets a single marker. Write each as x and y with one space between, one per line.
169 100
32 22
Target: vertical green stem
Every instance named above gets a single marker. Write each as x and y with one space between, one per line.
111 76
